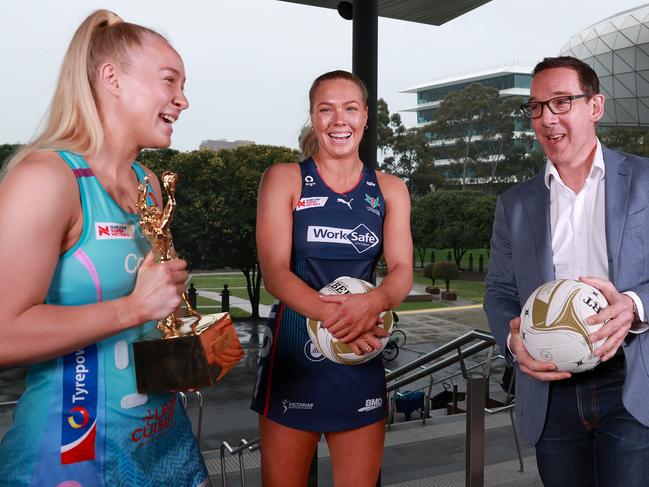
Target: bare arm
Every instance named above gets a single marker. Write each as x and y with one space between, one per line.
279 192
39 215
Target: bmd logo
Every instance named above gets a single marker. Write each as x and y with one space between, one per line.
361 237
371 404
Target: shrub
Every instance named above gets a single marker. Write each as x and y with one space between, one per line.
447 271
428 272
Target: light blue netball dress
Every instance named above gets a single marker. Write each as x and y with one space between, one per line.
81 421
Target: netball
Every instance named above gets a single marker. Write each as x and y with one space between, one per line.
554 327
329 345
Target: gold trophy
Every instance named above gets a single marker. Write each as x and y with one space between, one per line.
195 351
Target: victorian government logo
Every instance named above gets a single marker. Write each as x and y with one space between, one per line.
361 237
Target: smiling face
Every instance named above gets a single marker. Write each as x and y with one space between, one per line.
338 116
152 96
568 139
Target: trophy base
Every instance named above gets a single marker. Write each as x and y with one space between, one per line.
186 362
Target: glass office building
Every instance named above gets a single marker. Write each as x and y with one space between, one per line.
618 50
511 80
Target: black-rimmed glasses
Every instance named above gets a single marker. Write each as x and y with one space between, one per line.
558 104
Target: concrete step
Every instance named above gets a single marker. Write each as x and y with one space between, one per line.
415 455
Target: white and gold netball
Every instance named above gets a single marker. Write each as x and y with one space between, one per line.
554 324
330 346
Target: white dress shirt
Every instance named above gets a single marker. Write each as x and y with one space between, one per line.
578 227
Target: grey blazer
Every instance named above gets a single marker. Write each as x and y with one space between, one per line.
521 260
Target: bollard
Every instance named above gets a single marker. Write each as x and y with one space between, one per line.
225 299
191 295
470 262
481 263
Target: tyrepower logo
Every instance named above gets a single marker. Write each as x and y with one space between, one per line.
312 202
361 237
112 231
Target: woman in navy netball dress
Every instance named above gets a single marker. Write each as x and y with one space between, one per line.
326 217
79 283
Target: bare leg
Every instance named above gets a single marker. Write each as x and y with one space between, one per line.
286 454
356 455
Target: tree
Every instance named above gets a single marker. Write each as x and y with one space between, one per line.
475 129
498 137
217 205
422 227
627 139
406 152
6 151
446 271
455 219
243 168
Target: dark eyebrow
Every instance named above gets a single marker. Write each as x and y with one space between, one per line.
554 95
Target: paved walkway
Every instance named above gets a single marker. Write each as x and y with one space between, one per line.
264 310
235 302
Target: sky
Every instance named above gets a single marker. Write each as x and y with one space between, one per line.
250 63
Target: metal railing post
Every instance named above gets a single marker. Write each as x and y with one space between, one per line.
475 433
312 479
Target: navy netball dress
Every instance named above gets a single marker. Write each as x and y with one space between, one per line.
334 235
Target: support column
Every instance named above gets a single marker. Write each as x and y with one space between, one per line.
365 66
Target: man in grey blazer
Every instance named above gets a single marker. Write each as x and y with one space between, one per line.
586 217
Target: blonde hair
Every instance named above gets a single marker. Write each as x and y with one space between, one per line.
73 121
307 139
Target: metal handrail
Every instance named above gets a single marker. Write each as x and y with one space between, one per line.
442 364
239 450
440 351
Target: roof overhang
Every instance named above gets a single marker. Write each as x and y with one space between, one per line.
432 12
471 76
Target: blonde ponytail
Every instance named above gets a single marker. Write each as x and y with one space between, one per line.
308 141
73 121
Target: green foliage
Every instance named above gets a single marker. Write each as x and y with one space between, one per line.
422 232
481 134
447 271
217 204
6 151
627 139
455 219
475 129
406 151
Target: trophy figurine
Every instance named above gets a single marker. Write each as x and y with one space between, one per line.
194 351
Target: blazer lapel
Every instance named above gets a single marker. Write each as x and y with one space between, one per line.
617 183
537 215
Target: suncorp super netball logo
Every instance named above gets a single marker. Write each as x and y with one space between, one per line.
79 418
112 231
